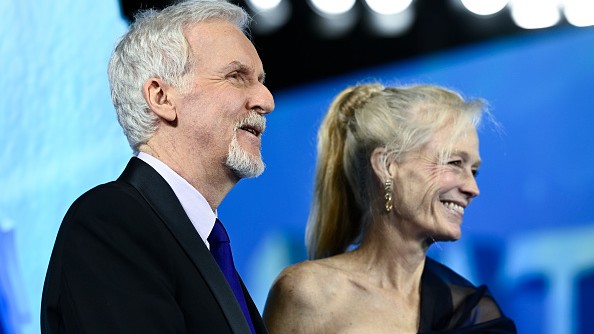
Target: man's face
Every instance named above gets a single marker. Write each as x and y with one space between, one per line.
431 195
221 115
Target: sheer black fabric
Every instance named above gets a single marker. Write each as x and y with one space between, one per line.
451 304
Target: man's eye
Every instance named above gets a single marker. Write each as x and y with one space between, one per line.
475 172
239 76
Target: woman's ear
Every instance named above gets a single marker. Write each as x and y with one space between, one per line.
158 96
382 167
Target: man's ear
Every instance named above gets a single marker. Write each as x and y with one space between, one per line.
158 96
382 168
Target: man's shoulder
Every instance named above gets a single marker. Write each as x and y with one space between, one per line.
107 201
114 193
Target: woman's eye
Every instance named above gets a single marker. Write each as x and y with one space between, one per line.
456 163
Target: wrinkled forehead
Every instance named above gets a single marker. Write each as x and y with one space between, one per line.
211 31
446 133
455 139
218 39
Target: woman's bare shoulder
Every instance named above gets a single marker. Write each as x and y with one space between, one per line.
297 295
306 280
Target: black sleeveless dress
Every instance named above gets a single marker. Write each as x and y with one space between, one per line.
451 304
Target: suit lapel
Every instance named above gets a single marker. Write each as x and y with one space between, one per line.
161 197
257 321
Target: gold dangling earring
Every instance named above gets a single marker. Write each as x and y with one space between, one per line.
388 196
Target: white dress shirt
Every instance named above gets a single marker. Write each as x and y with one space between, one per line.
194 204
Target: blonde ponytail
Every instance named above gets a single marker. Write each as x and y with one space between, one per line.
335 217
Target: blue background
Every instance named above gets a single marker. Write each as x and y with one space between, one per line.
529 235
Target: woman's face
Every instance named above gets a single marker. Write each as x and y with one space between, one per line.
431 195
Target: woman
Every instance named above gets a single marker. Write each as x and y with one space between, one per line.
396 170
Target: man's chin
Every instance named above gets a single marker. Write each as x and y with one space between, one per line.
246 168
244 164
247 174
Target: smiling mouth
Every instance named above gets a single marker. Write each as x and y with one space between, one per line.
453 206
251 129
253 123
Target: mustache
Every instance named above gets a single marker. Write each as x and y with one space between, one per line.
254 121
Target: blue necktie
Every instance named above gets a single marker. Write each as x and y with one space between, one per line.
221 251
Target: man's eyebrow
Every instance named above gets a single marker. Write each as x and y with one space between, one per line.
239 66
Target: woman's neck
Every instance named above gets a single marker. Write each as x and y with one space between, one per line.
391 258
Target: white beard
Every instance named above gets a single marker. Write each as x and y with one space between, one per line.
242 163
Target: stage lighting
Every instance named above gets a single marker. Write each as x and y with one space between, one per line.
484 7
579 13
535 14
269 15
263 5
390 25
388 7
335 18
331 7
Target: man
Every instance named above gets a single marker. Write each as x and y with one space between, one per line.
132 255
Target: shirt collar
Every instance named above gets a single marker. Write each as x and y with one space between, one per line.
192 201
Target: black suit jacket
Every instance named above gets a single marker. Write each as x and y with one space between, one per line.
127 259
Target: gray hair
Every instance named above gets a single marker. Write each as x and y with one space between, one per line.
155 46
